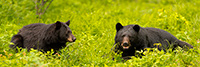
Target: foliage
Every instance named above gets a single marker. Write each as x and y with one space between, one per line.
93 24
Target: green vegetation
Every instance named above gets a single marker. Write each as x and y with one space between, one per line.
93 24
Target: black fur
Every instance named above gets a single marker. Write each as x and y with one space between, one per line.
141 38
43 37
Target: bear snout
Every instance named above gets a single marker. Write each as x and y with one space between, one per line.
125 44
71 38
74 39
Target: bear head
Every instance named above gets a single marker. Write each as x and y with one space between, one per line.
127 36
63 32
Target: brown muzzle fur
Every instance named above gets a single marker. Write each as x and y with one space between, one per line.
125 43
71 38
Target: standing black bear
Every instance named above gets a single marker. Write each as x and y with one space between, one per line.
133 37
43 37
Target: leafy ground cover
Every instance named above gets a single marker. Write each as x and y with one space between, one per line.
93 24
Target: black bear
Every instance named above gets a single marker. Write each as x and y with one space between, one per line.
43 37
130 38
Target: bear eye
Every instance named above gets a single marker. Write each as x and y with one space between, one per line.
123 35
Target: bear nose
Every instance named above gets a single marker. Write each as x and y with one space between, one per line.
125 44
74 39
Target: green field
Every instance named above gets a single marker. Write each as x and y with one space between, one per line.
93 24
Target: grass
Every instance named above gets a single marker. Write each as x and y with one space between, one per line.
93 24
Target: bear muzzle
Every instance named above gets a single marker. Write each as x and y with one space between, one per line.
125 45
74 39
71 38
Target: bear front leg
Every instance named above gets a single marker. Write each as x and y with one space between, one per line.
184 44
17 41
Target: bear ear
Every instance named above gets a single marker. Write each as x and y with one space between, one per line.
136 28
58 25
68 22
118 26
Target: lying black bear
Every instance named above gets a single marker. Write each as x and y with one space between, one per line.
43 37
133 37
